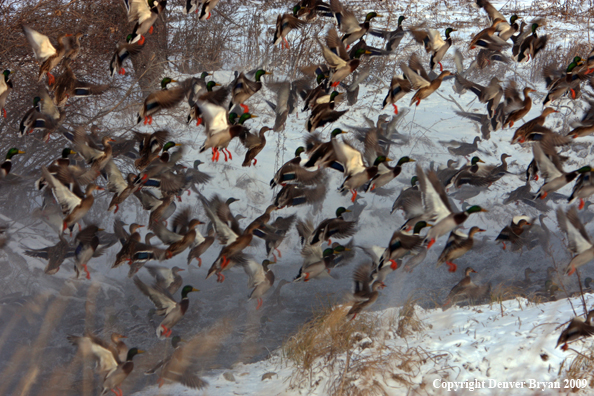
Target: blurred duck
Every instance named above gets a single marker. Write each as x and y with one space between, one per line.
458 245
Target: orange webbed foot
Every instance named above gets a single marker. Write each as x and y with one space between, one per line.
141 41
4 112
395 109
50 78
431 242
151 30
279 253
245 108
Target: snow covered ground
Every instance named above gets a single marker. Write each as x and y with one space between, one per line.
486 349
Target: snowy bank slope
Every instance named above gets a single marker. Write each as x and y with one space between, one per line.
461 345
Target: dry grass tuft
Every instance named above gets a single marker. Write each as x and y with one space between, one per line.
344 357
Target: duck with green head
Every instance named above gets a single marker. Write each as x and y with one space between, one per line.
166 306
440 48
198 89
7 164
357 180
531 45
324 113
219 141
293 173
351 28
387 173
315 266
163 99
243 88
393 38
5 88
336 227
458 245
401 244
111 367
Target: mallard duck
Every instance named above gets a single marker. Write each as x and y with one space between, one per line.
317 263
582 189
479 175
120 345
461 148
458 245
232 252
261 279
166 305
68 86
150 144
486 38
522 111
278 230
357 179
297 194
73 207
521 134
293 173
506 32
166 278
348 23
55 255
319 94
163 99
206 7
579 242
576 329
585 126
44 115
491 94
420 81
6 166
399 87
409 200
311 8
493 14
551 169
5 88
86 248
438 209
388 173
462 288
284 24
113 370
202 247
254 143
393 38
56 164
512 233
184 234
47 55
176 367
128 241
333 228
243 88
365 293
123 51
337 58
402 243
532 44
561 82
323 114
144 16
220 140
434 44
161 164
199 88
98 159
